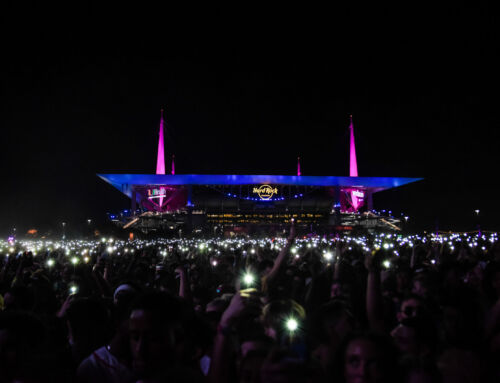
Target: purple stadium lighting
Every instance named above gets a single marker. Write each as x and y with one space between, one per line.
353 165
164 193
160 162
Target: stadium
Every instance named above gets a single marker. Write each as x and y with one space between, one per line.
249 203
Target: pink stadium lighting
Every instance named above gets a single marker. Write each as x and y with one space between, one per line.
160 162
298 166
173 164
353 165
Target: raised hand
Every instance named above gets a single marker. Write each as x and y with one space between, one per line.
293 232
180 271
373 260
62 311
244 302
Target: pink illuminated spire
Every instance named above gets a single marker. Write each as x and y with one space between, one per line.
353 165
298 166
173 164
160 162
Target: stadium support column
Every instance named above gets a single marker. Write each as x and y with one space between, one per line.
336 205
190 195
335 218
189 208
369 200
133 206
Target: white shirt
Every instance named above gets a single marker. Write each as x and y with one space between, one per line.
102 366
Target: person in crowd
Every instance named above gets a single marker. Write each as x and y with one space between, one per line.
366 358
112 362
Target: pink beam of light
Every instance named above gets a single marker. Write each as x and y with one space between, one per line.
298 167
160 162
173 164
356 203
353 164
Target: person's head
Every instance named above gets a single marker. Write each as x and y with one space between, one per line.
155 322
421 286
19 298
495 282
403 278
491 281
332 322
340 289
411 306
366 358
124 294
451 278
45 299
89 326
474 275
461 320
22 342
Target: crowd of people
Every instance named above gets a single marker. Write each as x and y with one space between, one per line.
357 309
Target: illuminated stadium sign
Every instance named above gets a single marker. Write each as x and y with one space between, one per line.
358 194
265 192
157 193
352 200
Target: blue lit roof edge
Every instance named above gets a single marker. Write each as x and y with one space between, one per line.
123 182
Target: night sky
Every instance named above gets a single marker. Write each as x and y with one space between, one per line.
246 91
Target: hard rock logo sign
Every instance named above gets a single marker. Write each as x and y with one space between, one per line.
265 192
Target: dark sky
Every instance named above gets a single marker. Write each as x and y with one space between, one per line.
247 91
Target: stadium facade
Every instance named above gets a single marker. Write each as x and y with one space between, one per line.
240 202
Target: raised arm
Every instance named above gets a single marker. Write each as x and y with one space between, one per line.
339 251
279 262
374 305
223 364
184 290
5 269
102 284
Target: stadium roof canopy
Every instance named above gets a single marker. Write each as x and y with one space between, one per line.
124 182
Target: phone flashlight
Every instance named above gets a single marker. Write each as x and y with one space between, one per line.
248 279
289 336
292 325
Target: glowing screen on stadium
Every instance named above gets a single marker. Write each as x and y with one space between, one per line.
351 200
157 193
